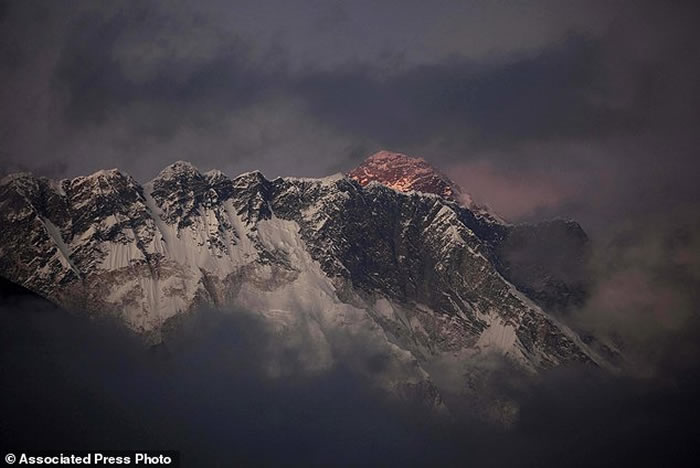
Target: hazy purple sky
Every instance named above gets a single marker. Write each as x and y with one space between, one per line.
580 108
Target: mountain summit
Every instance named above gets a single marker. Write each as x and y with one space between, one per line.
406 173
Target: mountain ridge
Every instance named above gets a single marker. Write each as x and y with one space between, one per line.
416 275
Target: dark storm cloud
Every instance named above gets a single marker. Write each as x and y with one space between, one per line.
549 95
310 89
178 90
137 76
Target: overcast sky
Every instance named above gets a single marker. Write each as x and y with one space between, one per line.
582 108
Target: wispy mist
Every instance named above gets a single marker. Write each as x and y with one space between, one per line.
76 383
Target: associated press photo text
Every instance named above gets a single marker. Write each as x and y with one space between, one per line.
94 458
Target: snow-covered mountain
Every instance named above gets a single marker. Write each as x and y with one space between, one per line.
416 277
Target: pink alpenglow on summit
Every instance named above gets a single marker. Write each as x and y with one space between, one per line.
406 173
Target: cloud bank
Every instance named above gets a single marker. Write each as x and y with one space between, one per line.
74 383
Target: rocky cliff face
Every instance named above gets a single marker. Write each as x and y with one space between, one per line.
545 260
417 277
